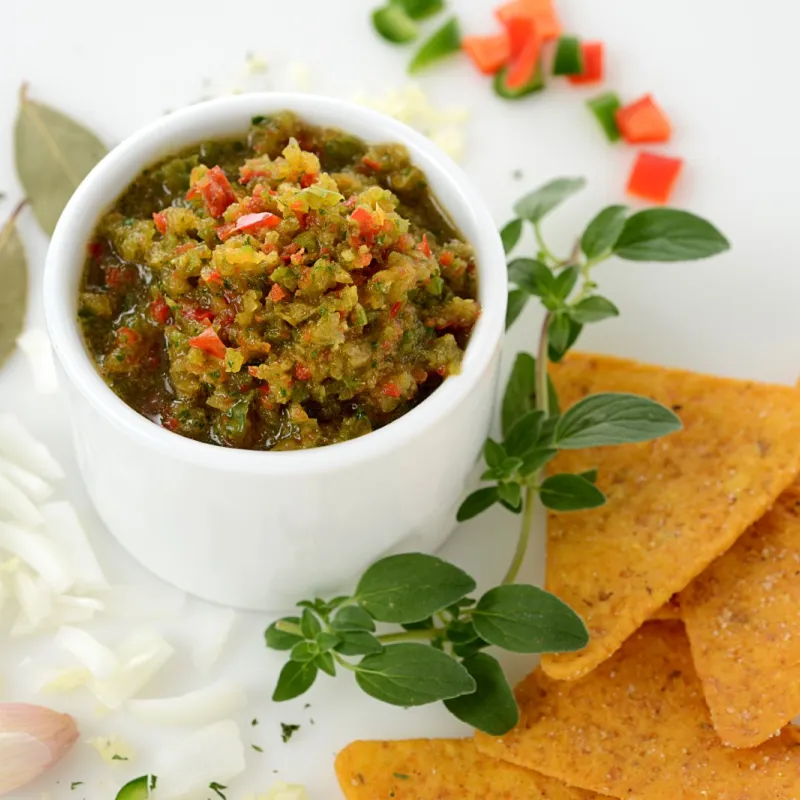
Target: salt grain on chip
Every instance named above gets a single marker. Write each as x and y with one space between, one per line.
674 504
742 617
434 769
638 727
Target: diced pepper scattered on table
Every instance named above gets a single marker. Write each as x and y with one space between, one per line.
519 58
605 107
644 122
654 176
593 64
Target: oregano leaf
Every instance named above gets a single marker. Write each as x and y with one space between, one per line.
411 674
492 707
526 619
411 586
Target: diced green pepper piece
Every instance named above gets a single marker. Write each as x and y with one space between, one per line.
394 25
420 9
605 108
535 84
569 56
445 42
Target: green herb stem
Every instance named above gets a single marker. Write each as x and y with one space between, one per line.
531 494
342 663
545 250
410 636
289 627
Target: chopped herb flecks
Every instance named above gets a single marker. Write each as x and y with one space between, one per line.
287 731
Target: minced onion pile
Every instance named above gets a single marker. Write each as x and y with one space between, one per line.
53 583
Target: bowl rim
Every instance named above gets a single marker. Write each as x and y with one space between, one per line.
172 132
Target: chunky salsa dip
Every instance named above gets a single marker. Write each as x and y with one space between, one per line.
290 289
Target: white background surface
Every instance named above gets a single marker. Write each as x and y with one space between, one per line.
724 70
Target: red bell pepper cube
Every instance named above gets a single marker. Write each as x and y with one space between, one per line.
488 53
653 177
540 11
526 46
593 64
644 121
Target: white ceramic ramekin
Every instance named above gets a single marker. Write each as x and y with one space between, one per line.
261 530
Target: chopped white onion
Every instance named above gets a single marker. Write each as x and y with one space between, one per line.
35 487
215 624
61 615
141 655
96 657
64 527
35 598
17 504
141 602
36 346
17 445
287 791
215 702
52 681
212 754
39 553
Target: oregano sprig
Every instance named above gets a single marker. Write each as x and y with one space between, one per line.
438 653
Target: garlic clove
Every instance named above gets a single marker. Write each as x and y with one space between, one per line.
32 739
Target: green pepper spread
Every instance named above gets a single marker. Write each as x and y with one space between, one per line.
290 289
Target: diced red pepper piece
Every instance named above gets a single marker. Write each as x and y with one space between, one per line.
372 163
116 277
540 11
159 310
307 179
213 277
488 53
199 314
654 176
593 64
127 336
209 342
364 220
644 121
185 248
302 372
277 293
216 190
160 219
395 309
391 390
264 219
526 46
224 232
446 258
424 247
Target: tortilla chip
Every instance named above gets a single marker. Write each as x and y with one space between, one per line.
674 504
638 726
671 610
435 769
742 617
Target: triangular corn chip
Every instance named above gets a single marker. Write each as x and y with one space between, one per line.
674 504
434 769
742 617
638 727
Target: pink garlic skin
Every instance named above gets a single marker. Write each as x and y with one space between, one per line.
32 739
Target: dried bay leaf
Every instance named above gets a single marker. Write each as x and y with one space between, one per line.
53 155
14 279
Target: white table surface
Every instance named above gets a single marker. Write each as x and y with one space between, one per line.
725 71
